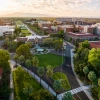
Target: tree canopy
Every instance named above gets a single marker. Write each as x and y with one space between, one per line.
24 50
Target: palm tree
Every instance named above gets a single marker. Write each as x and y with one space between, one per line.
86 71
92 77
28 90
40 71
67 96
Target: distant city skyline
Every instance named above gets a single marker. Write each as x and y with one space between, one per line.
52 8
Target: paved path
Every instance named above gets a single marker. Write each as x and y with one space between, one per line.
75 91
11 81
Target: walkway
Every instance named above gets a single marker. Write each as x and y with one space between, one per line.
75 91
11 81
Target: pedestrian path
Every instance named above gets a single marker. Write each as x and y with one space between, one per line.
74 91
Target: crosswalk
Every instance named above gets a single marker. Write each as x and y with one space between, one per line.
74 91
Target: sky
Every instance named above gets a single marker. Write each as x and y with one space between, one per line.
53 8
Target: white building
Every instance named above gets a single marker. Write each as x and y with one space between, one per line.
8 29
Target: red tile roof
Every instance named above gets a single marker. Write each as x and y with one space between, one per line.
1 71
95 44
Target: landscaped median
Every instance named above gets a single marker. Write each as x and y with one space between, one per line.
63 78
24 30
27 88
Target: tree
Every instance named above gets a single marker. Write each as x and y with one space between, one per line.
57 85
35 61
28 63
58 44
17 31
29 44
28 90
42 95
16 58
86 71
48 42
40 71
4 64
12 46
94 58
21 58
92 77
19 75
4 57
49 72
67 96
24 50
85 44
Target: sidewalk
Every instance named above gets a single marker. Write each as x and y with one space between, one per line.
80 83
11 82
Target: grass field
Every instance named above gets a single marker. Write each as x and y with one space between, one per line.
25 32
19 85
19 23
62 76
49 59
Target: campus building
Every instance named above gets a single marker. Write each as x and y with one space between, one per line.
95 44
32 39
6 30
81 36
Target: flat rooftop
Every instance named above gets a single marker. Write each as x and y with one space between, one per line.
81 34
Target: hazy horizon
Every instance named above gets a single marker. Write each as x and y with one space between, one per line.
50 8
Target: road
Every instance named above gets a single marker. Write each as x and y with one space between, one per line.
66 68
32 32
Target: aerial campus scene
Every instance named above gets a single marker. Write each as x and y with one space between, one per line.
49 50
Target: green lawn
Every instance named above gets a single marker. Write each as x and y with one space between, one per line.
19 85
25 32
19 23
49 59
62 76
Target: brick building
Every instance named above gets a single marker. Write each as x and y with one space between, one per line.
81 36
95 44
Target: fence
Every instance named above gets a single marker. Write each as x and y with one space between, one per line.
43 83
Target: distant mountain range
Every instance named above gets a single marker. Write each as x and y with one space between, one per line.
19 14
